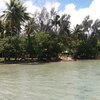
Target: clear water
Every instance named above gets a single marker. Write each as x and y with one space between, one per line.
76 80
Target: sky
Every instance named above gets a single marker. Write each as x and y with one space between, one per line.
78 9
78 3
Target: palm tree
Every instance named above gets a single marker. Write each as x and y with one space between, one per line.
96 30
13 16
1 29
31 27
65 25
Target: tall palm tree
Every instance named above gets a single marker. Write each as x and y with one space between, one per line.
14 15
65 25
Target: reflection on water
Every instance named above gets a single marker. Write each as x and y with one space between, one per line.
77 80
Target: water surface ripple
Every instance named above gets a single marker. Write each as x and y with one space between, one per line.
76 80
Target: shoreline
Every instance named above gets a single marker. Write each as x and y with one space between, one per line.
29 62
41 62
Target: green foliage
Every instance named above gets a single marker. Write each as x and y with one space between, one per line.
98 48
86 50
1 29
14 16
46 46
30 46
46 34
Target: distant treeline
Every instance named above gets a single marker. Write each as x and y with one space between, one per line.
45 34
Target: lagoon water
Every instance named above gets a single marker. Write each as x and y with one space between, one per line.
75 80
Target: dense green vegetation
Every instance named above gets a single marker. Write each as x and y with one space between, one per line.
45 35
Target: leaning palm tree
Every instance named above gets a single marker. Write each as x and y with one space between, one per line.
13 16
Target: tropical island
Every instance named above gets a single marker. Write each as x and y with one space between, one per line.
36 49
45 36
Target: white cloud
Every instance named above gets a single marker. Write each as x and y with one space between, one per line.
94 9
78 15
2 5
31 8
50 5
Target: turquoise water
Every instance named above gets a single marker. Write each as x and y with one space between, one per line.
75 80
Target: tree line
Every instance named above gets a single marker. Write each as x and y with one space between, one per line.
44 35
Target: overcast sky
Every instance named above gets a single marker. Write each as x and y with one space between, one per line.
78 9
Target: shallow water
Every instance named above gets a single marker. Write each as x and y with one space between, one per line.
76 80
